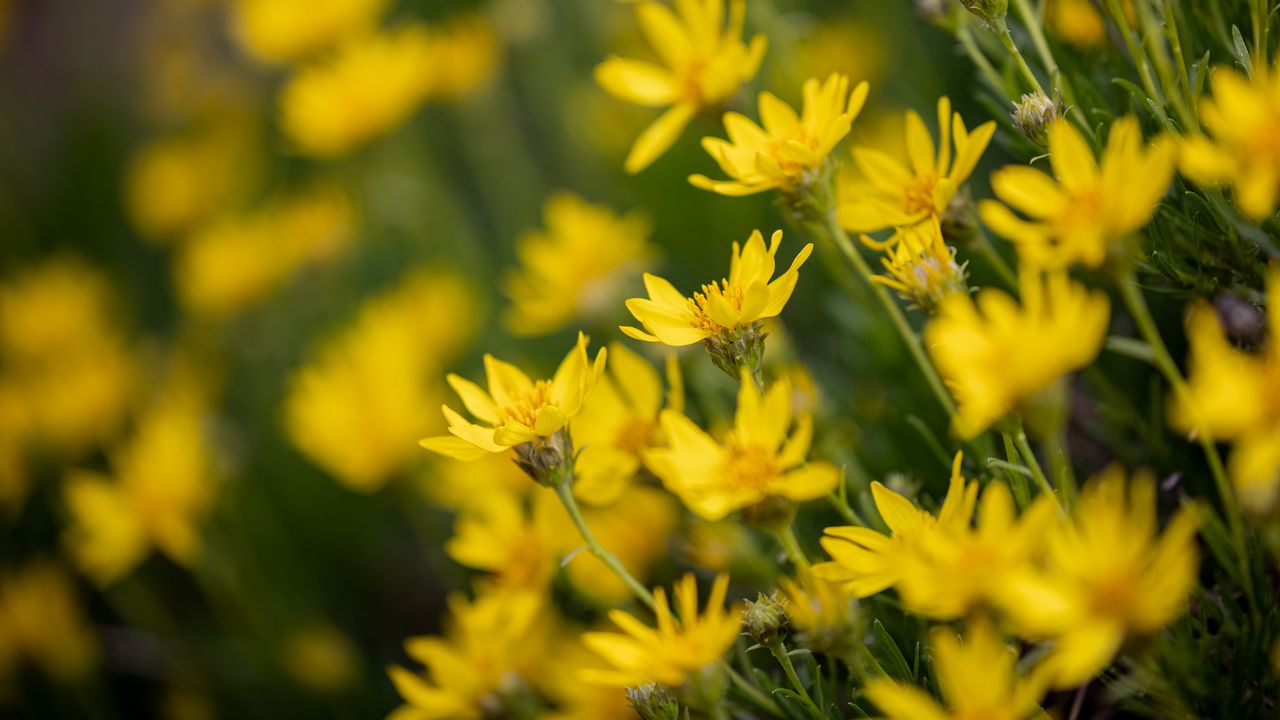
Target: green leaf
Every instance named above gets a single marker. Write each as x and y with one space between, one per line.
890 656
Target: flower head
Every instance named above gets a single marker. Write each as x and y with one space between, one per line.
674 649
42 621
1033 114
1077 215
789 150
993 353
279 31
922 268
824 613
757 460
703 62
893 193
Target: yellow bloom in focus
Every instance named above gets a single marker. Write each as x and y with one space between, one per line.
977 678
465 50
489 645
517 411
704 61
1235 396
160 489
280 31
576 267
357 408
789 150
674 649
993 353
894 193
922 268
1077 215
1107 574
236 263
366 89
1242 119
757 460
42 621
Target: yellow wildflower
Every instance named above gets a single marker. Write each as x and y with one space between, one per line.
1235 396
789 150
977 678
489 644
279 31
42 621
518 412
675 648
367 88
757 460
576 267
519 549
359 405
840 45
1242 118
1078 214
462 485
704 61
464 53
893 193
577 700
1107 575
1077 22
994 353
321 658
922 268
716 546
824 613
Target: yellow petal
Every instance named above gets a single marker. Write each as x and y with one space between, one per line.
636 82
658 137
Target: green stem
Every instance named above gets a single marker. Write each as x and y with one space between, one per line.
565 491
1002 29
965 37
1060 464
761 700
1135 51
787 539
1017 481
842 506
1029 458
779 651
997 263
1184 78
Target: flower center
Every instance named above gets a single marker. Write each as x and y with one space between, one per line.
700 302
637 435
918 195
749 467
523 407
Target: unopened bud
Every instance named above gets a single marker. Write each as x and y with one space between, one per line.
734 349
987 10
1033 114
766 619
653 702
546 460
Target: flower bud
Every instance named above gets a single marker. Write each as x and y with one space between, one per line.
736 348
653 702
1033 114
766 619
546 460
987 10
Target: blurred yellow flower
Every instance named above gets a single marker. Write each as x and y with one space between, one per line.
357 408
14 436
321 658
1107 574
824 613
1242 118
977 678
281 31
757 460
161 487
673 650
922 268
518 411
716 546
459 485
575 268
488 645
519 549
367 88
704 61
1235 396
42 622
894 193
464 51
789 150
848 46
577 700
1078 214
238 262
993 353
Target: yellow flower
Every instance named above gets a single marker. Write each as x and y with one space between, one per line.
789 150
161 488
42 621
1077 22
1242 117
1107 575
1235 396
824 613
519 549
704 61
517 411
1078 214
675 648
757 460
734 304
577 700
462 485
922 268
576 267
977 678
464 53
357 408
619 423
993 353
280 31
322 658
488 646
893 193
367 88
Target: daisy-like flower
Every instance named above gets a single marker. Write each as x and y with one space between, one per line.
704 62
922 268
1078 214
790 149
520 413
1235 396
893 193
725 316
1243 117
676 648
993 353
757 460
